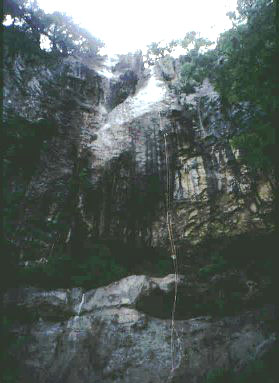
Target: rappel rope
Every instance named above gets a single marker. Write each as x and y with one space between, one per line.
173 253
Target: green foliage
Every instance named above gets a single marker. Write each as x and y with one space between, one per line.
157 50
254 145
248 73
164 267
217 265
68 38
98 270
256 256
94 265
248 52
194 43
244 70
88 270
30 25
196 64
220 375
17 40
217 306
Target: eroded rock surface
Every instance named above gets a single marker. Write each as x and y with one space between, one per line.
114 123
105 335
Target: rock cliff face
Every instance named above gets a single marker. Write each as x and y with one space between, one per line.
108 335
114 124
121 142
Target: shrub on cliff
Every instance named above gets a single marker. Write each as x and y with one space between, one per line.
248 74
90 269
244 70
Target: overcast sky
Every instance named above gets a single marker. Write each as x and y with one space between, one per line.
128 25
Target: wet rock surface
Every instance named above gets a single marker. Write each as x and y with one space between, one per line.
114 123
101 175
106 336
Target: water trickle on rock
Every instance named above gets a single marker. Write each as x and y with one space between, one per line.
115 135
81 303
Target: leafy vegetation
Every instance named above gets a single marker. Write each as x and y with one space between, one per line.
249 74
91 270
95 265
217 265
196 64
158 50
244 70
244 253
35 33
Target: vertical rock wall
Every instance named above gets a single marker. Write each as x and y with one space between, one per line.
103 172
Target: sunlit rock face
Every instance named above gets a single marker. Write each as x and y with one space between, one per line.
212 192
115 121
112 335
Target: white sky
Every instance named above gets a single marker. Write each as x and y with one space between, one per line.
128 25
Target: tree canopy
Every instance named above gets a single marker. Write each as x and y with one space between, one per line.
249 74
157 50
30 22
244 70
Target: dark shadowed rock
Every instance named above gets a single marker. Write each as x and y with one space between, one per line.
115 121
105 337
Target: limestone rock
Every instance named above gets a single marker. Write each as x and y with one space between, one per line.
118 121
112 341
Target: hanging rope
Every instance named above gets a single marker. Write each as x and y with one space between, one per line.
173 253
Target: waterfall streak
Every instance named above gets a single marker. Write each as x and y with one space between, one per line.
81 303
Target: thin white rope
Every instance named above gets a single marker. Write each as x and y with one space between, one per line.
173 256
